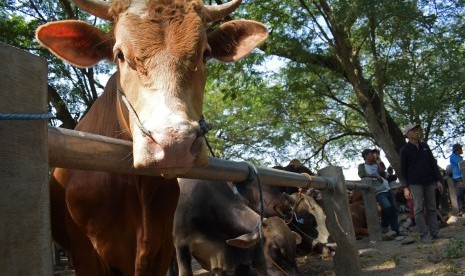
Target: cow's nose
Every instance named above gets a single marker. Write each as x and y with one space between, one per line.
178 146
172 149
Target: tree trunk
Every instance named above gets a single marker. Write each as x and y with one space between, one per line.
386 133
62 112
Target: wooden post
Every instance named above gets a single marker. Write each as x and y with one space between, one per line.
25 235
371 212
336 207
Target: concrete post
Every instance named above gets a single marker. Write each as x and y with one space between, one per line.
371 212
25 235
336 207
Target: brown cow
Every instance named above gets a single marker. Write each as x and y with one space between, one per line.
115 224
357 211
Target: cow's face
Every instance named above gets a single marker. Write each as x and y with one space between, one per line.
161 54
161 48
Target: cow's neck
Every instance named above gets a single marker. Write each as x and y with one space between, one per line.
102 117
122 113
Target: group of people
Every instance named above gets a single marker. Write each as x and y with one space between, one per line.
420 178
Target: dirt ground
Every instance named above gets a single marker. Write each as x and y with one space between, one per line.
446 256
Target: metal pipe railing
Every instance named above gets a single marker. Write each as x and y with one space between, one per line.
80 150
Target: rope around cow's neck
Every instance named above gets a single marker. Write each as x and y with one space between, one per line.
253 172
133 114
294 208
204 126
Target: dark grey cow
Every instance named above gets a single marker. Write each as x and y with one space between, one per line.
214 226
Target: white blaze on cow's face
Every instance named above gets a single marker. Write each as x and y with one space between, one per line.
163 76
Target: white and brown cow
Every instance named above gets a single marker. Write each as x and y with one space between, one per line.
116 224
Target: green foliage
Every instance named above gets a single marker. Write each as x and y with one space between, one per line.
76 87
16 31
409 51
455 248
294 98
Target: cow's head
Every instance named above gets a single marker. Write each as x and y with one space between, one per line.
310 220
161 48
279 247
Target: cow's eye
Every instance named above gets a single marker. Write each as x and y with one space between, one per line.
207 54
120 55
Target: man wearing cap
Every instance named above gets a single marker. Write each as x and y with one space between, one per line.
420 176
455 159
389 212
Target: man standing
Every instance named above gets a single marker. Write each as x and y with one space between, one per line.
455 159
389 213
420 176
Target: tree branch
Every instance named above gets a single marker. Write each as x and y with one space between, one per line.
62 112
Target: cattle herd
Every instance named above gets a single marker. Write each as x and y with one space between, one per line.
118 224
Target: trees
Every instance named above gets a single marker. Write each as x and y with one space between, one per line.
359 71
71 90
333 77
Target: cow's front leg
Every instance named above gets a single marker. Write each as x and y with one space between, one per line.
184 259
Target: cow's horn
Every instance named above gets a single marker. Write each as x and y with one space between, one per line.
96 7
218 12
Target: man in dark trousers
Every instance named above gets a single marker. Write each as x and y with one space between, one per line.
420 176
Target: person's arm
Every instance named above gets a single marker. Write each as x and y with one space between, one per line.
363 174
361 171
403 172
454 160
381 166
434 164
403 168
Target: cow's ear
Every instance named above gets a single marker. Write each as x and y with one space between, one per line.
298 238
77 42
235 39
244 241
290 198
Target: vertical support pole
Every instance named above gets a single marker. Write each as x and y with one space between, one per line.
371 212
25 235
336 207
